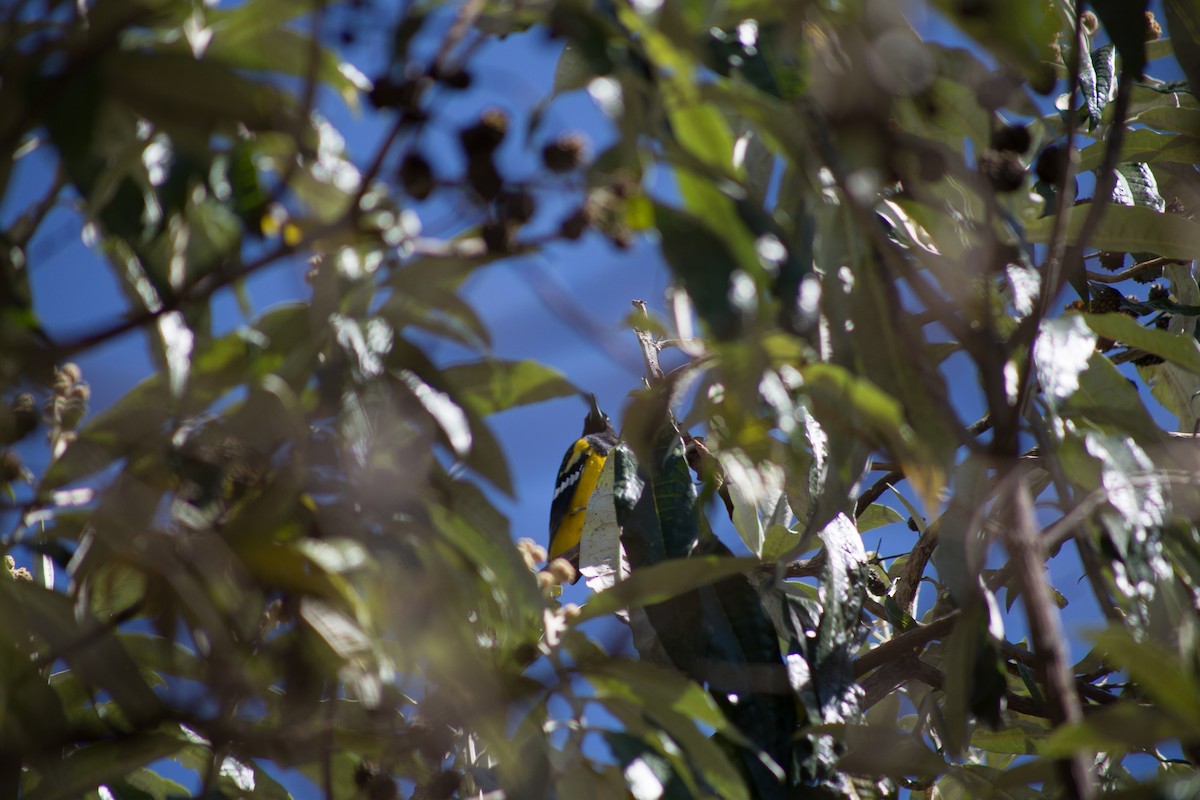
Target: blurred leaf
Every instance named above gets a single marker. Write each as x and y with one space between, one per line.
97 763
1128 229
194 96
655 584
875 750
704 263
1123 726
1183 25
1146 146
51 617
1019 33
1180 350
444 410
1106 397
876 516
845 399
647 773
496 385
1158 672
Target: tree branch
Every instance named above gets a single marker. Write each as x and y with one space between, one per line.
1028 555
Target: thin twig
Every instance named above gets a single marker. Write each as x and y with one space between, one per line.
649 347
1126 274
200 289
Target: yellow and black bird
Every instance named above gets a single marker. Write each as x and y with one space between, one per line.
577 476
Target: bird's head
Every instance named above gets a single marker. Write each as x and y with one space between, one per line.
596 421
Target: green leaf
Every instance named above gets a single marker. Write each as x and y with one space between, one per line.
1127 229
876 516
1167 118
702 260
640 681
494 385
194 98
1174 388
104 663
876 750
1180 350
677 705
655 584
90 766
845 400
1183 24
1143 188
1147 146
1107 398
1158 671
1117 728
1019 33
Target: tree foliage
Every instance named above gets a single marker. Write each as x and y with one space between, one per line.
282 549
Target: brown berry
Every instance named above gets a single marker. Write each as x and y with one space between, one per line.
416 175
1148 275
10 467
1090 23
564 153
457 79
1011 138
499 237
483 176
486 135
574 226
1051 165
518 206
404 96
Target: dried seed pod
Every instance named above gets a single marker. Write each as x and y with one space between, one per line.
1004 171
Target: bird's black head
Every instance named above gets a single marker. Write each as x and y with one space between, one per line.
596 421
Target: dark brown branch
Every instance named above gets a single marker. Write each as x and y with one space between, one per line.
200 289
1028 554
899 645
883 682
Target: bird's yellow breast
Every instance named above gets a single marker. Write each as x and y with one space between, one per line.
571 527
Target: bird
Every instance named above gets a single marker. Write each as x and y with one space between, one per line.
576 480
